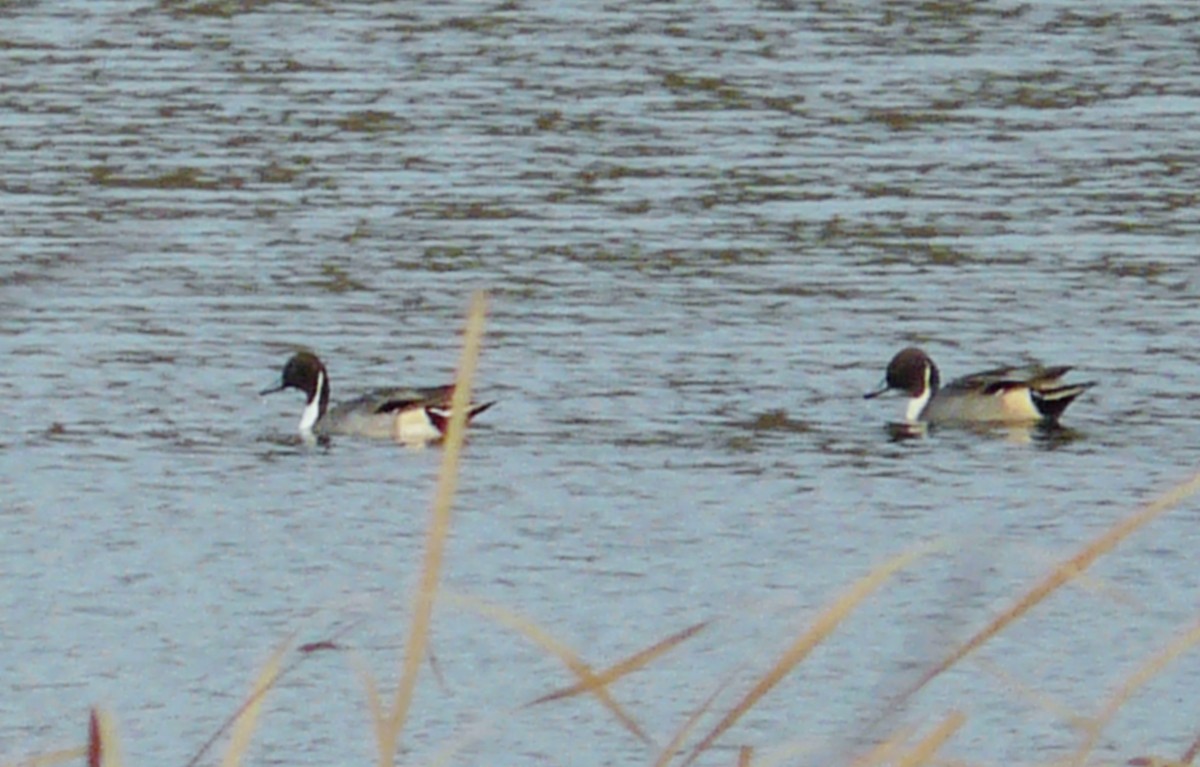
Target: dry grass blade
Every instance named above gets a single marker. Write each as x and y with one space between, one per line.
676 743
626 666
885 752
1035 697
1062 574
388 735
54 757
1141 676
305 652
930 744
452 751
1189 756
374 700
103 748
61 756
560 650
826 622
247 716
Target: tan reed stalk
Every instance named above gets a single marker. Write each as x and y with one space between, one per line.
1137 679
625 666
1062 574
676 744
247 717
1034 697
379 717
824 625
560 650
103 748
929 745
885 752
266 680
1189 756
61 756
387 731
598 682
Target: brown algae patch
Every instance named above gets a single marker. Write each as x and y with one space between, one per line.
777 420
723 94
905 120
220 9
720 92
335 279
471 211
370 121
914 243
181 178
448 258
276 172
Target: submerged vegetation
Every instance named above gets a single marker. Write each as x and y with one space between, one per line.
903 745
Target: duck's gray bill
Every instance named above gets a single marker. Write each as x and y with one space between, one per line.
883 389
271 389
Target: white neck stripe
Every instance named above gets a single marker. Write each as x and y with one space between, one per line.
312 411
917 404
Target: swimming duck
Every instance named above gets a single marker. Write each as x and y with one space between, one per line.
1010 395
411 416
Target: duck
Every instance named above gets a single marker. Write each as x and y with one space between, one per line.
407 415
1031 394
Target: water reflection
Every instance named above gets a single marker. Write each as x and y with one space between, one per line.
1047 435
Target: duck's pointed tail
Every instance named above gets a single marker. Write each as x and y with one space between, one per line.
1052 401
440 417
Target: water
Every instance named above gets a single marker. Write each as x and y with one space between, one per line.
704 231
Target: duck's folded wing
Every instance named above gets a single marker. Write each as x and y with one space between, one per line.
1002 379
395 400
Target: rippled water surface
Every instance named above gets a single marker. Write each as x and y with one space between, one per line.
704 230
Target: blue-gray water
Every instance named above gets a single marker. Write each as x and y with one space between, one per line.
704 230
